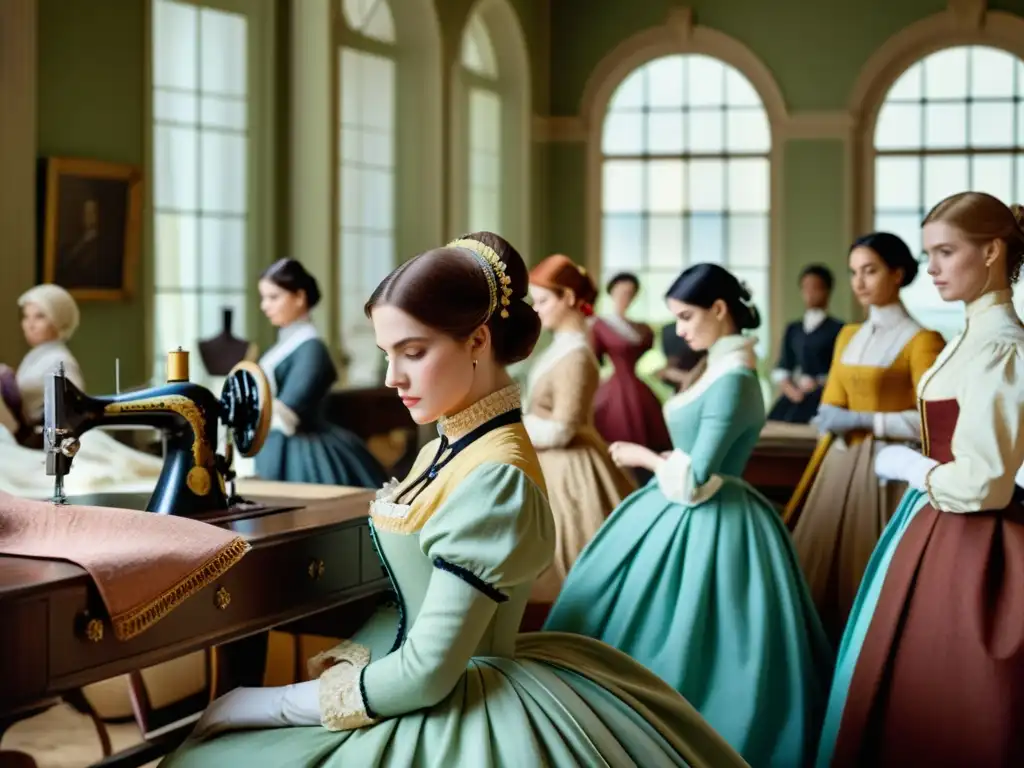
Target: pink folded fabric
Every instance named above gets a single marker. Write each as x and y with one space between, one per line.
144 565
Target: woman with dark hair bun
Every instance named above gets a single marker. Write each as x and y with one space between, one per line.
840 507
447 681
694 575
625 408
303 447
584 486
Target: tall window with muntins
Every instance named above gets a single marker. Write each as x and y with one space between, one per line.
686 144
953 121
200 157
480 70
366 175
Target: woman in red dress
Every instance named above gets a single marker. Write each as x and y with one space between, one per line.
625 408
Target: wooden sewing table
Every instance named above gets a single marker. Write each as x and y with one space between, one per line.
779 460
306 560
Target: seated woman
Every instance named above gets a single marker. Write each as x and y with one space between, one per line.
447 682
694 575
584 486
303 447
49 318
931 667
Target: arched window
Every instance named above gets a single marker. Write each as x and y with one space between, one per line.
490 125
484 105
366 174
953 121
685 179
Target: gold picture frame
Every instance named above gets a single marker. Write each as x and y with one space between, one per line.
94 261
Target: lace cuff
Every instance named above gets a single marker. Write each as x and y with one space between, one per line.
548 433
342 702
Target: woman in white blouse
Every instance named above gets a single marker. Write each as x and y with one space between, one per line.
931 669
49 318
839 508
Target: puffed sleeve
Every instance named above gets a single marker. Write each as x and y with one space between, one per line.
494 533
988 440
575 380
681 476
921 353
835 393
310 376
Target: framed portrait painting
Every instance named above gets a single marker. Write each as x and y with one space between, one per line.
91 217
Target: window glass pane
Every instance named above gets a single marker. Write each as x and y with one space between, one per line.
176 250
705 81
705 131
945 74
738 90
706 186
622 242
624 133
665 186
898 127
707 238
477 51
224 51
748 185
945 125
993 174
944 176
1020 123
630 93
1020 179
173 107
176 156
223 172
748 241
992 124
664 133
905 225
223 253
378 200
991 72
654 286
908 86
175 45
747 130
665 242
665 82
623 185
380 25
218 112
377 80
898 183
176 321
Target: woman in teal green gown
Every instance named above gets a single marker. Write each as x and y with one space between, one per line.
694 574
303 446
447 682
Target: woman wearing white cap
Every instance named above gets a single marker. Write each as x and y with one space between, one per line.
49 318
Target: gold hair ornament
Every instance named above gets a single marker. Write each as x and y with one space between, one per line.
498 283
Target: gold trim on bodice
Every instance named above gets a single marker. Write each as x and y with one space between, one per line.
483 410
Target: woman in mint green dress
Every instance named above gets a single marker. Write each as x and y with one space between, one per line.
694 574
447 682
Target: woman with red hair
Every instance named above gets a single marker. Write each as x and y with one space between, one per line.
584 486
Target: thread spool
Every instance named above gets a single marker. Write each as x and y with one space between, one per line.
177 365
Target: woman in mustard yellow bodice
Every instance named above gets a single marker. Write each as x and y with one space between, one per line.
840 507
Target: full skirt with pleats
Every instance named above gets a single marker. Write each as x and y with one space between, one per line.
328 455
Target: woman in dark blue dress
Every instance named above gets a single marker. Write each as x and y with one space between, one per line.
303 446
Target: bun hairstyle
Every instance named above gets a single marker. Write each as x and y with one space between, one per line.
891 250
983 218
559 273
623 277
457 288
291 276
703 284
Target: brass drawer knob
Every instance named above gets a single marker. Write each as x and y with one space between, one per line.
316 569
94 630
222 599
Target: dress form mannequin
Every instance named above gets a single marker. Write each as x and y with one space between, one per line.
224 351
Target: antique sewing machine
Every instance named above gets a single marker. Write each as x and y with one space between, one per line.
194 476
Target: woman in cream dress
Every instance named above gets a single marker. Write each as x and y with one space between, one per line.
931 667
840 507
49 318
584 486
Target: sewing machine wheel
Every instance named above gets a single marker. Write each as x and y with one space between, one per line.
245 403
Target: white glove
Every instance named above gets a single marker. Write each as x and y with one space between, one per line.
897 462
244 708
